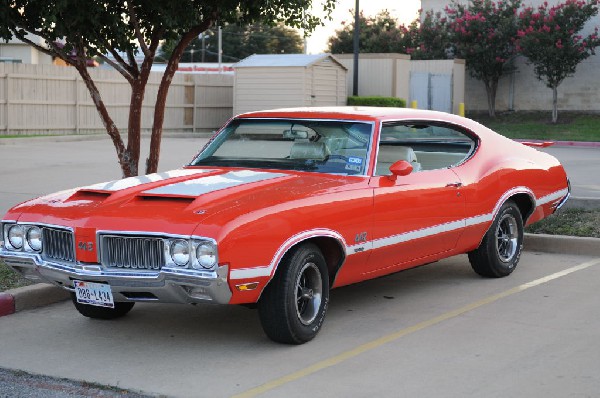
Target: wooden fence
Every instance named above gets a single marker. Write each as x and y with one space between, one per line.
41 99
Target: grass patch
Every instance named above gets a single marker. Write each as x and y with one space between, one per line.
572 222
571 126
9 279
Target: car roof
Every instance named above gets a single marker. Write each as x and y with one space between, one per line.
354 113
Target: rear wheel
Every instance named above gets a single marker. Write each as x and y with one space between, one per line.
500 250
92 311
293 306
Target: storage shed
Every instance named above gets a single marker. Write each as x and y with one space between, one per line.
288 80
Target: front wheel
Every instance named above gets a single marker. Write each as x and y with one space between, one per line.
92 311
500 250
293 306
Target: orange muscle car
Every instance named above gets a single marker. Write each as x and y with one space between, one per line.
281 206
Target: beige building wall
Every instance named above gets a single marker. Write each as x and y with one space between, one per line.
388 75
378 74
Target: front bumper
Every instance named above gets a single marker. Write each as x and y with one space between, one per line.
168 285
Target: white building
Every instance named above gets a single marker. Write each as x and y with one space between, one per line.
16 50
521 90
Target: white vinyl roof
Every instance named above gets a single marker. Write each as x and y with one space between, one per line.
276 60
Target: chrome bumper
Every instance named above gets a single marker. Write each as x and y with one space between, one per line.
168 285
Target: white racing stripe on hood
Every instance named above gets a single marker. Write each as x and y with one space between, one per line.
130 182
203 185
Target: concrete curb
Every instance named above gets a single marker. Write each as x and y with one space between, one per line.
41 294
29 297
562 244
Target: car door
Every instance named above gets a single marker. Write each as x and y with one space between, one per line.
423 213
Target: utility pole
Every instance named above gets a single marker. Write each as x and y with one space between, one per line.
356 36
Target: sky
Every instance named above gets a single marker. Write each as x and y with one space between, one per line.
404 10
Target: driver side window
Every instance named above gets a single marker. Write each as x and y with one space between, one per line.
425 145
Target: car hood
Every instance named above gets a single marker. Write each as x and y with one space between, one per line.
177 201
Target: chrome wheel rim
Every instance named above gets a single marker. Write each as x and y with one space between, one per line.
507 238
309 293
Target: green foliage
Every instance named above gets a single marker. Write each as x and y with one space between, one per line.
572 222
9 279
378 34
239 42
534 125
429 38
551 39
377 101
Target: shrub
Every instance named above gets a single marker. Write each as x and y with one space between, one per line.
378 101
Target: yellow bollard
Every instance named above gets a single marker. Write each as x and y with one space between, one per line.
461 109
413 104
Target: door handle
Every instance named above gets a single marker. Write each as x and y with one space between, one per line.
454 184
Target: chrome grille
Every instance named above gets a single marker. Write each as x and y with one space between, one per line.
132 252
58 244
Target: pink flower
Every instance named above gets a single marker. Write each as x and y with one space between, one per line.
557 27
559 44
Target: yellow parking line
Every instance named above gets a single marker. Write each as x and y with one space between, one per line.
326 363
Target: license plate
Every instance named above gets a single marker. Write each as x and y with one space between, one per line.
98 294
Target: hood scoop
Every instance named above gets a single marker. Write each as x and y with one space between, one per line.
159 198
89 195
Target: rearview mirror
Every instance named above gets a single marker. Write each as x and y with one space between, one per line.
293 134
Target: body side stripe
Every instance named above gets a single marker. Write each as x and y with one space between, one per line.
394 239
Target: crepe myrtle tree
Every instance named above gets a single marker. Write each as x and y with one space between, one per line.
551 39
483 32
130 30
429 37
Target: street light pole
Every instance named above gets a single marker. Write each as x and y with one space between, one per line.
356 36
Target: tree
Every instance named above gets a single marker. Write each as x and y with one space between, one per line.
551 39
429 38
125 29
378 34
484 33
239 42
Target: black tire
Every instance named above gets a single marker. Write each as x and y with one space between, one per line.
500 250
293 306
95 312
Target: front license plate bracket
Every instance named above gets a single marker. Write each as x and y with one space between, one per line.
92 293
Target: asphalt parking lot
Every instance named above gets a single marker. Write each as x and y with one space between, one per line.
438 330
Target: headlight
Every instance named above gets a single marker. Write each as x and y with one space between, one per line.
180 252
34 238
15 236
206 254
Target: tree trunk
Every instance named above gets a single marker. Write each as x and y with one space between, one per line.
554 104
163 91
490 90
109 124
134 125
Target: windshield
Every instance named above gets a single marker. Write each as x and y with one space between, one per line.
324 146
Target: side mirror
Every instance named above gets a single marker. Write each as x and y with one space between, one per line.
399 169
